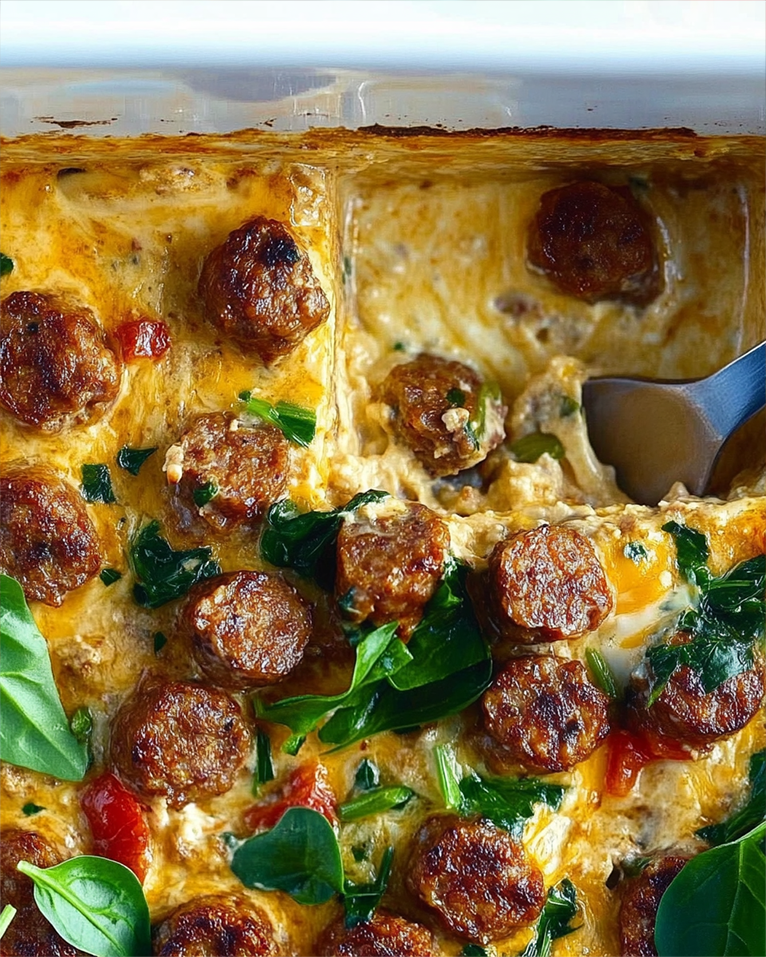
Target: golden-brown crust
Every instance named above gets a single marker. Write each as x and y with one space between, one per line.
641 898
54 364
218 925
384 935
259 289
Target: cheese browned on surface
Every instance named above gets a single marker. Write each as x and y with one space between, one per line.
419 245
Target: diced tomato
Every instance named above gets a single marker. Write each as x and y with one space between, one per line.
629 753
143 338
118 823
306 787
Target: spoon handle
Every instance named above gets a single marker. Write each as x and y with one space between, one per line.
735 393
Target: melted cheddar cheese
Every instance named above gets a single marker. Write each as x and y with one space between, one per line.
419 245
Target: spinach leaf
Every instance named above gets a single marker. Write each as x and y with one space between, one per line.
558 913
367 776
95 904
530 447
264 766
30 808
383 708
750 815
296 423
508 802
6 916
362 900
34 732
376 801
474 950
636 552
728 619
303 713
489 392
97 484
448 775
204 494
6 265
132 459
602 673
447 639
305 542
716 905
163 574
159 640
299 856
109 576
81 725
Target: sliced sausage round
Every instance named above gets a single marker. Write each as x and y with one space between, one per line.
224 925
640 902
595 242
547 584
545 713
226 473
443 412
689 715
54 364
476 876
47 540
247 628
384 935
258 289
179 740
29 933
390 558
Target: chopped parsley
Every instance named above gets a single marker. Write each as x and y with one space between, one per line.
132 459
97 484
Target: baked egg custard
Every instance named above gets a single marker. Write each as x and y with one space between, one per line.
324 631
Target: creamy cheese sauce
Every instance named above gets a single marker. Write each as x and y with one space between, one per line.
419 244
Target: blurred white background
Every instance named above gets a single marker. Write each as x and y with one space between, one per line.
486 35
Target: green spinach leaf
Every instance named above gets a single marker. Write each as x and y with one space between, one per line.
6 265
264 766
132 459
299 856
447 639
305 541
303 713
34 732
204 494
6 916
449 775
31 808
109 576
716 905
296 423
530 447
555 921
376 801
96 904
367 776
749 816
602 673
97 484
383 708
163 574
362 900
508 802
691 552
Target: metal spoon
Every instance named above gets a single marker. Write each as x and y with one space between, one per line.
658 432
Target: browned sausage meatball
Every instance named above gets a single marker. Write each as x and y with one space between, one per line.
244 469
547 584
390 559
385 935
688 714
443 412
54 364
179 740
476 876
595 242
640 901
545 712
47 540
29 934
259 289
247 628
219 925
